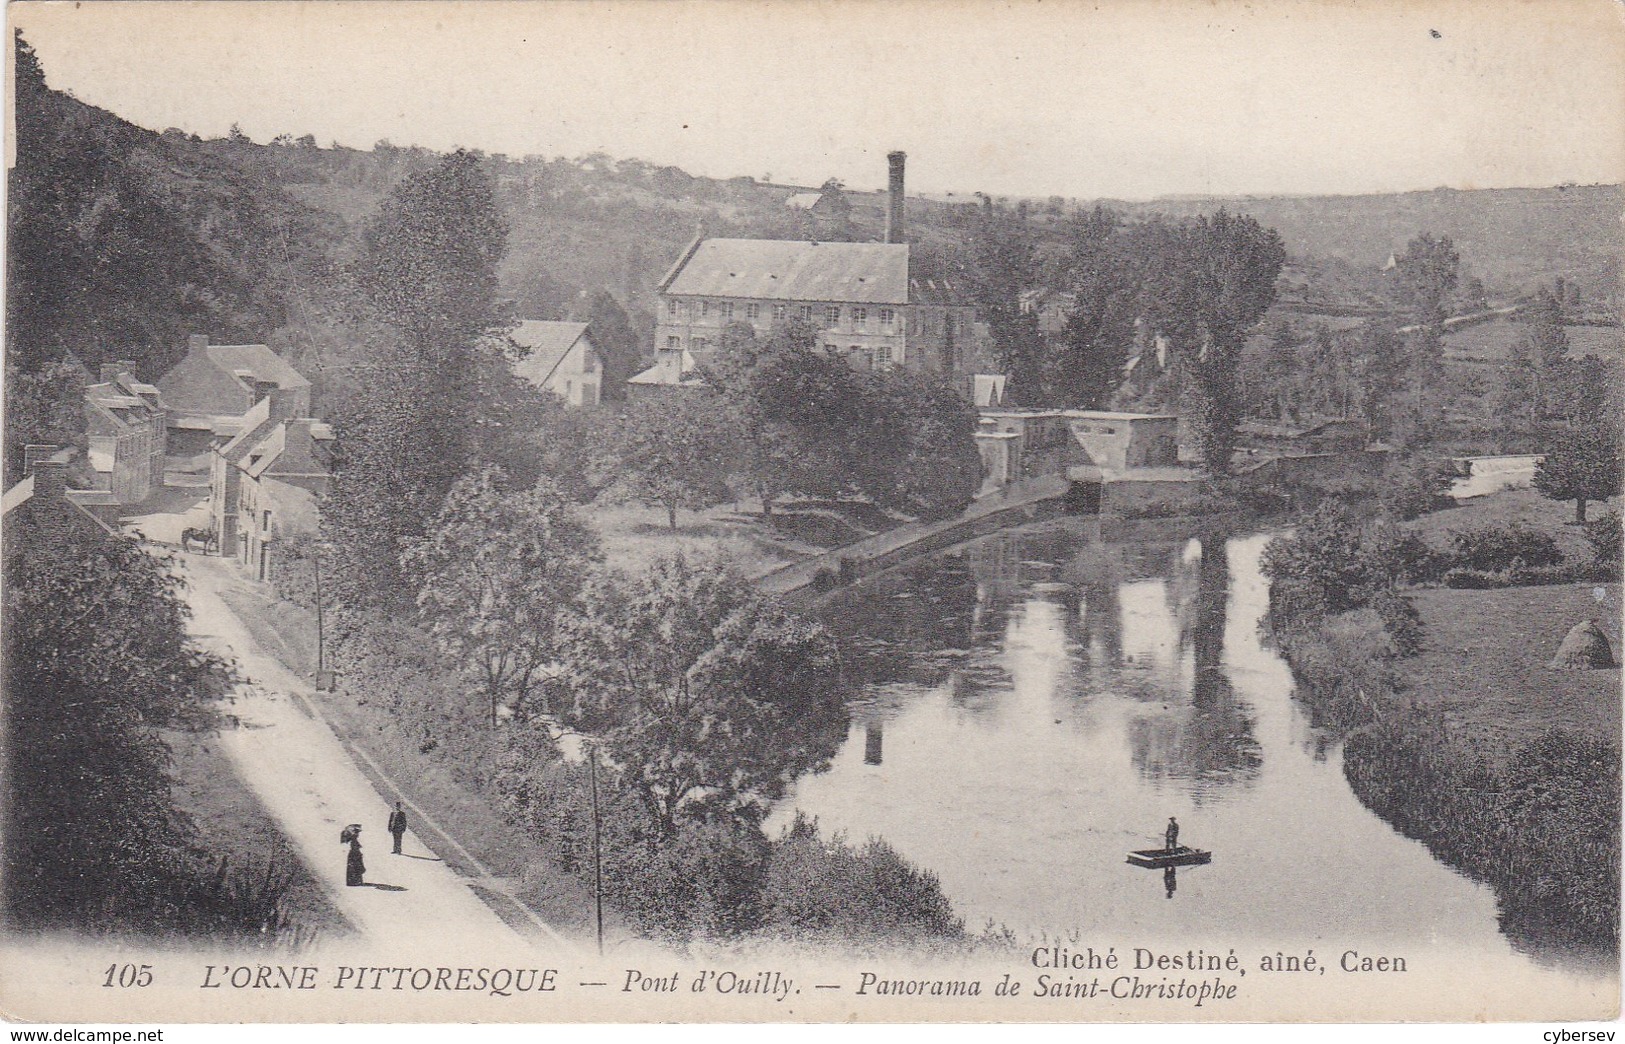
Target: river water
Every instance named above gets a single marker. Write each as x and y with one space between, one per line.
1038 703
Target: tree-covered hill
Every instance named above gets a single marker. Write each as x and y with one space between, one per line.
122 241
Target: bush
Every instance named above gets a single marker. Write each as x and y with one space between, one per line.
1494 548
1344 665
1401 620
1604 535
830 889
1414 486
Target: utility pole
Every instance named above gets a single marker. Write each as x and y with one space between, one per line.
597 851
324 680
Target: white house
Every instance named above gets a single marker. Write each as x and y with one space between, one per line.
562 359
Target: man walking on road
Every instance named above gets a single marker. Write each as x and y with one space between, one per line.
397 825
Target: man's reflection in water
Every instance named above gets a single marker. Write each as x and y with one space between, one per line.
1170 880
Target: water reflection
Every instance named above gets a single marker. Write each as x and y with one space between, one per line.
1032 701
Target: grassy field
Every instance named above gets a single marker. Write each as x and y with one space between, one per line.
1515 505
231 823
1495 341
1486 652
1485 663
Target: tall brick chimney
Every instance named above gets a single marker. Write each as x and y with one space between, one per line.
894 197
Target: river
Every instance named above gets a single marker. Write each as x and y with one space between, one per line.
1036 704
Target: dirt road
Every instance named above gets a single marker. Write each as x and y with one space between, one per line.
311 786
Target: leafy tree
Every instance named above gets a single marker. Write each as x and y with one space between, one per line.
1582 466
417 417
1233 263
496 574
798 410
613 334
1002 264
1422 279
917 451
44 407
1086 366
676 452
1382 378
706 698
97 663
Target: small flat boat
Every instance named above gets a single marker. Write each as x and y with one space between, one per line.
1160 858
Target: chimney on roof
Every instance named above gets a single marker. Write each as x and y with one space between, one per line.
894 197
111 372
50 478
284 404
33 453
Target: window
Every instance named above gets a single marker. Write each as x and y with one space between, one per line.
832 315
753 312
779 312
705 309
888 320
860 318
671 309
882 357
727 310
700 344
674 344
805 311
265 523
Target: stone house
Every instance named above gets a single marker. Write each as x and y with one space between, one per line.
209 392
126 427
263 481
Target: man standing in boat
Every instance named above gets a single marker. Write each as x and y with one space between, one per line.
1171 836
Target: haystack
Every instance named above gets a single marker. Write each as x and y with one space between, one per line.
1584 648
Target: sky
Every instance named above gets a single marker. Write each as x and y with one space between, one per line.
1129 99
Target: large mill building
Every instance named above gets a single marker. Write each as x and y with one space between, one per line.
867 300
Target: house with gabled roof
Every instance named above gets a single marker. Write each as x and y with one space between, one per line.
38 513
210 390
126 430
264 481
561 358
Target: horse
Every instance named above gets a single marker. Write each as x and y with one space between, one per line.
205 538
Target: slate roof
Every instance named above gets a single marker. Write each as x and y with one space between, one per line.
549 342
793 270
258 360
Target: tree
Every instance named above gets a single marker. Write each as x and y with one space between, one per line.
1584 465
1231 263
1002 264
46 407
97 663
676 452
1086 365
417 417
1422 279
917 452
707 699
617 342
497 574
